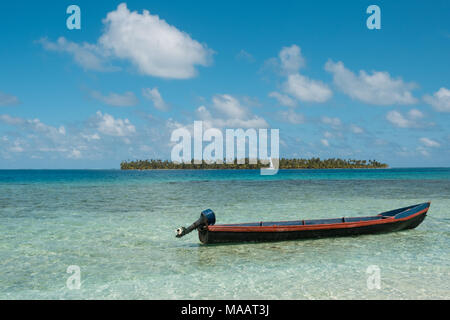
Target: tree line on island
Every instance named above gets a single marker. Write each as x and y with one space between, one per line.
313 163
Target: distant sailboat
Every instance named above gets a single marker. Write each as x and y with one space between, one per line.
271 164
271 170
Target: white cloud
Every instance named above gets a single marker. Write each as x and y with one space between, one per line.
291 59
398 119
298 86
88 56
377 88
251 101
355 129
74 154
216 122
8 100
325 142
156 98
440 100
11 120
409 120
271 65
101 137
254 122
244 55
34 135
229 113
154 46
334 122
305 89
292 117
283 99
429 143
34 125
107 125
229 106
423 151
127 99
16 147
415 114
90 137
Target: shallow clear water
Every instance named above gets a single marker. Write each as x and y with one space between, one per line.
118 227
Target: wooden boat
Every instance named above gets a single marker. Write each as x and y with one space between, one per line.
389 221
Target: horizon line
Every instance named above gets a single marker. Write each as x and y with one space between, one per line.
118 169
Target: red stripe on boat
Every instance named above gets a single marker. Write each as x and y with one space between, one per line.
280 228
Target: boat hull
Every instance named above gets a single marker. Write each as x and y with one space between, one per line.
236 233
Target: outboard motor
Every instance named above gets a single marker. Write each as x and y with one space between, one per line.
207 218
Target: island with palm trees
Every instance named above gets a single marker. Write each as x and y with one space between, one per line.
312 163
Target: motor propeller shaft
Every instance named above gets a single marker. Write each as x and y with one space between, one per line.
207 217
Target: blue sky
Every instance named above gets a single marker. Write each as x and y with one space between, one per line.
117 88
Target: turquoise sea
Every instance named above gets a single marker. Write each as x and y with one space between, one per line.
118 227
